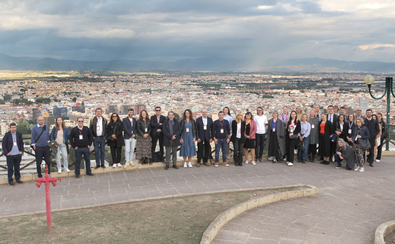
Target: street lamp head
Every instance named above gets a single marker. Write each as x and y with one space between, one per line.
369 80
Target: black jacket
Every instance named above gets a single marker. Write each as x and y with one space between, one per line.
204 135
155 125
344 133
374 129
175 132
87 137
141 127
119 142
234 131
93 123
8 142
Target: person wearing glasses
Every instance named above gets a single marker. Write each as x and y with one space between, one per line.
204 126
359 114
115 139
156 131
98 126
81 138
221 136
171 132
143 143
40 140
261 123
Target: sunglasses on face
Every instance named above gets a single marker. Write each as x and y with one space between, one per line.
157 110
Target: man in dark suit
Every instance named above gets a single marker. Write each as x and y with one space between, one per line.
332 117
374 130
156 131
130 132
13 149
204 137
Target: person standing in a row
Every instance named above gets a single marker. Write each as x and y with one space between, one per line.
130 133
98 126
238 139
304 137
156 132
188 137
250 141
204 126
60 134
221 135
115 139
326 130
40 141
171 140
12 146
293 129
374 130
314 134
261 123
228 117
275 138
143 143
384 135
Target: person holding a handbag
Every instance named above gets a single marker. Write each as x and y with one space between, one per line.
360 139
326 130
115 139
304 139
384 135
293 129
250 135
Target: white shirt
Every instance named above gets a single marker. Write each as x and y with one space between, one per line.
204 120
238 134
261 122
99 126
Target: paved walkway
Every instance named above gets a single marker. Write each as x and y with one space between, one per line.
350 204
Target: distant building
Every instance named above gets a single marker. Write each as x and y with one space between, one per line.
138 108
80 109
59 112
112 109
36 113
49 121
4 128
125 108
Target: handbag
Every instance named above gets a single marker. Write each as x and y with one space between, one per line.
364 143
301 146
109 138
294 136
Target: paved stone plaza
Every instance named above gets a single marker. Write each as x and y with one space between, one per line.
349 206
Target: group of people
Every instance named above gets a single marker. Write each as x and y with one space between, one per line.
338 137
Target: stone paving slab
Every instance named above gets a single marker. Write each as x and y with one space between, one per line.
348 209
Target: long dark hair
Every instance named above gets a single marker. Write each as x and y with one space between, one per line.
228 110
118 119
290 117
56 123
141 112
190 115
382 119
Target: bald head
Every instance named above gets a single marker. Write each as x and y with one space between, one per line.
40 120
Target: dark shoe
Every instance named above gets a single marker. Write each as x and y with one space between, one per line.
198 165
90 174
166 167
322 162
236 164
11 183
240 164
312 160
326 162
175 166
103 166
371 164
19 181
150 162
303 162
97 166
77 176
207 164
274 161
299 161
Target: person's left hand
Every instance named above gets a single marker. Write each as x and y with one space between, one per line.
113 136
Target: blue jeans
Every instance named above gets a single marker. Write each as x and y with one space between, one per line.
14 164
78 156
302 156
99 144
62 149
221 144
130 145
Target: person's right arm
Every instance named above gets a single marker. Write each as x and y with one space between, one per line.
4 146
71 138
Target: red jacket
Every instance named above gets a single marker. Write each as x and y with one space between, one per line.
253 129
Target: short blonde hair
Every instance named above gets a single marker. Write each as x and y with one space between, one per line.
239 120
359 119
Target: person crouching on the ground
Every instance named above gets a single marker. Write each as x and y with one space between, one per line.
238 139
171 139
114 131
249 133
275 145
359 132
221 135
344 152
81 138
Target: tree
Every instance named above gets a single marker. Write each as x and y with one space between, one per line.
23 128
65 118
7 97
74 99
176 116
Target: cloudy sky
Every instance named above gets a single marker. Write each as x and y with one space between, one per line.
168 30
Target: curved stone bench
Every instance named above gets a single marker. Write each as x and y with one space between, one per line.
228 215
382 231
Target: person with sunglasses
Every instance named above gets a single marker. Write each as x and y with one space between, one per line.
157 132
81 138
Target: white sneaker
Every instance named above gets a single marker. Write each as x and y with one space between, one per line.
290 164
357 169
114 165
377 161
361 170
246 162
189 165
59 171
185 164
67 170
253 163
119 165
271 158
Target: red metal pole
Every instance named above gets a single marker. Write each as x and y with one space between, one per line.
48 201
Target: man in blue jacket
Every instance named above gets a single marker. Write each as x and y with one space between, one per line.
13 149
130 131
40 141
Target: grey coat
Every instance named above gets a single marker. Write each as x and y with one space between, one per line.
349 155
280 136
314 133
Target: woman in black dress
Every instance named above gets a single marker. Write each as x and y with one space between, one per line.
115 139
326 130
384 135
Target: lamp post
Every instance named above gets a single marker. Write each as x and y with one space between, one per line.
369 80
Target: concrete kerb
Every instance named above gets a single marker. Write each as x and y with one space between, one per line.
160 198
382 231
222 219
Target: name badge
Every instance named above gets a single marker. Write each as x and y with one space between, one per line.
81 137
312 126
221 131
274 129
146 130
15 144
349 131
97 127
204 127
187 129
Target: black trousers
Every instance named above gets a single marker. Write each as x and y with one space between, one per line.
14 164
204 151
238 152
379 150
333 149
260 141
40 153
158 136
291 147
116 154
371 155
313 149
